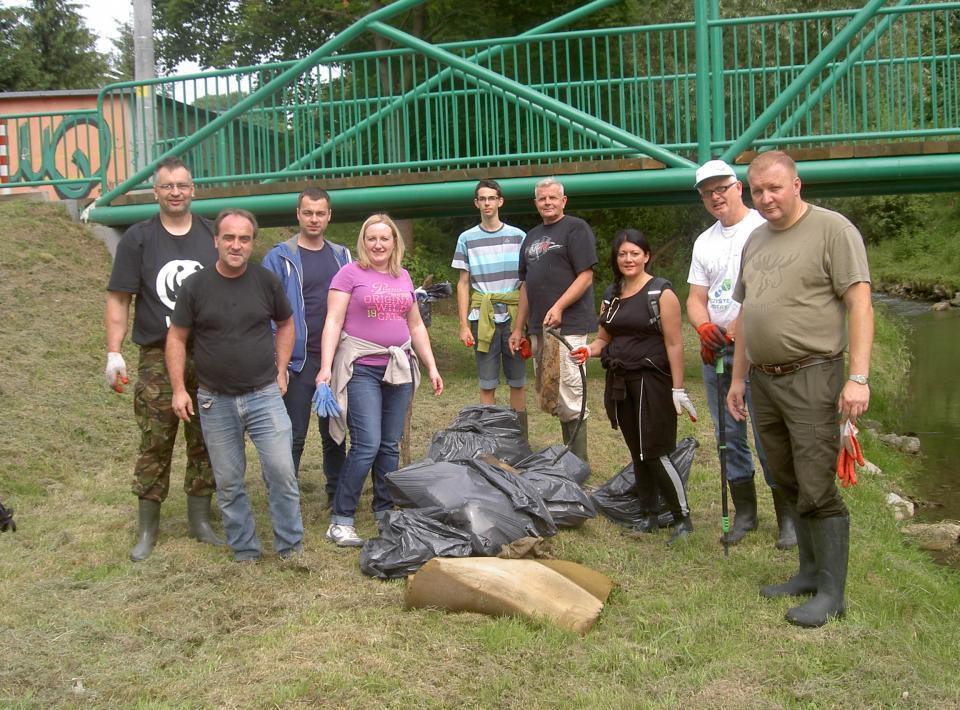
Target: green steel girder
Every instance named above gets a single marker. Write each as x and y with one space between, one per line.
435 80
579 121
829 53
263 92
903 175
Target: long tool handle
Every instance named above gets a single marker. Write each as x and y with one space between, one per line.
722 452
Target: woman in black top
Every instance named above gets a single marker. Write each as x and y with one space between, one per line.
644 383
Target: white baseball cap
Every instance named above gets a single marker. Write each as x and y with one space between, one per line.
712 169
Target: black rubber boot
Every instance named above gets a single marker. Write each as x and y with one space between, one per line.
786 521
148 523
831 548
682 528
744 494
805 580
579 445
198 520
524 425
649 523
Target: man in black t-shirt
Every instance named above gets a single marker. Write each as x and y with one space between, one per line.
242 369
152 262
556 291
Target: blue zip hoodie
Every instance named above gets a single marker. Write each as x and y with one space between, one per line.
284 261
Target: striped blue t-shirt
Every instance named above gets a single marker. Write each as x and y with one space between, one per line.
492 259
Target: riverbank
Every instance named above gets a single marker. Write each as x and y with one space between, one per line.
684 627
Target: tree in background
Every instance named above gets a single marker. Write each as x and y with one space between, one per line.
49 47
122 58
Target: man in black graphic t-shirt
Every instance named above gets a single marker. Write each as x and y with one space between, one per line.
153 260
556 270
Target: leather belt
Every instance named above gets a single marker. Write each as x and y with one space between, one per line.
791 367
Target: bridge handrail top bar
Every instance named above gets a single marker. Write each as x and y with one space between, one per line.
49 114
784 17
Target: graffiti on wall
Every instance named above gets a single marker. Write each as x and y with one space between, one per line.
76 149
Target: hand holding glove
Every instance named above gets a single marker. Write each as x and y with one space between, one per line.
580 355
116 372
526 352
850 456
324 403
713 339
681 401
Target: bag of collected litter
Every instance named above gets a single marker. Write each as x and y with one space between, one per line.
408 539
567 502
493 506
478 430
617 500
571 464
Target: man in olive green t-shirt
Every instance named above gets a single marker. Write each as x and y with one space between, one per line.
804 287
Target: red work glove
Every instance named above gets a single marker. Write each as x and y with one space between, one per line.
712 339
850 455
580 355
526 352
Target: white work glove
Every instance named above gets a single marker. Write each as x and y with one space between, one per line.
116 372
681 401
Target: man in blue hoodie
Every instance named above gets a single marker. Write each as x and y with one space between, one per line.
305 264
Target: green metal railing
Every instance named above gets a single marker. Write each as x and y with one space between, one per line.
677 93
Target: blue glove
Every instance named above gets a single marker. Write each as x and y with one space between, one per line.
324 403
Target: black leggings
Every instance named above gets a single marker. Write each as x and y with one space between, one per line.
653 472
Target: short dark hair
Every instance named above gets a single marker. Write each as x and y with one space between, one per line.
633 236
489 184
171 163
315 193
236 212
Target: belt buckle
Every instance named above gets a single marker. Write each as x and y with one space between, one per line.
776 369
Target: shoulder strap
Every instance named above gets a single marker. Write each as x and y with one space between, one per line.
653 297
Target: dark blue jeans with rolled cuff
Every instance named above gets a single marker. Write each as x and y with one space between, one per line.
298 400
375 415
739 458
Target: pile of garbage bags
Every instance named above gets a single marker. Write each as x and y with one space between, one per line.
479 488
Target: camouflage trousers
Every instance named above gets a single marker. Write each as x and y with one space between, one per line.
152 404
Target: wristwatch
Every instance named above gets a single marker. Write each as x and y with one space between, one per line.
859 379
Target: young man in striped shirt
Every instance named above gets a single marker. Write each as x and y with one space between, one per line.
488 257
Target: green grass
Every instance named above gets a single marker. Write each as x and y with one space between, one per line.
926 258
189 628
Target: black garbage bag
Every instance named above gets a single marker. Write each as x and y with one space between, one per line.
570 464
493 506
617 500
6 519
568 503
410 538
478 430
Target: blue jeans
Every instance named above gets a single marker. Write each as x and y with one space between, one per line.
260 413
298 401
739 459
375 414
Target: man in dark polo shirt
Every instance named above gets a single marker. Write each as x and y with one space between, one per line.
242 371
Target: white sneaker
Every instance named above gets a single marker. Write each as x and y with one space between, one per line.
344 536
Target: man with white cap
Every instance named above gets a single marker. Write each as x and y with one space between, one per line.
712 311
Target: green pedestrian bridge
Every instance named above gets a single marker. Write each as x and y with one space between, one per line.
867 100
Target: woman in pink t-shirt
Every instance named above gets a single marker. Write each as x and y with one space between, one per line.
372 324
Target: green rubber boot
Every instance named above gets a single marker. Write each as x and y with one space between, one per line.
198 520
579 445
744 494
148 523
831 549
804 581
786 521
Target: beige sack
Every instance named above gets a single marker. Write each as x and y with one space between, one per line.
548 374
536 589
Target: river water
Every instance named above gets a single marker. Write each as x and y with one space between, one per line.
931 410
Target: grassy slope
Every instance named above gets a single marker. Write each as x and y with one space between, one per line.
191 628
931 257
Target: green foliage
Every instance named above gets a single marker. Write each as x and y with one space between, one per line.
885 217
123 59
926 255
50 48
